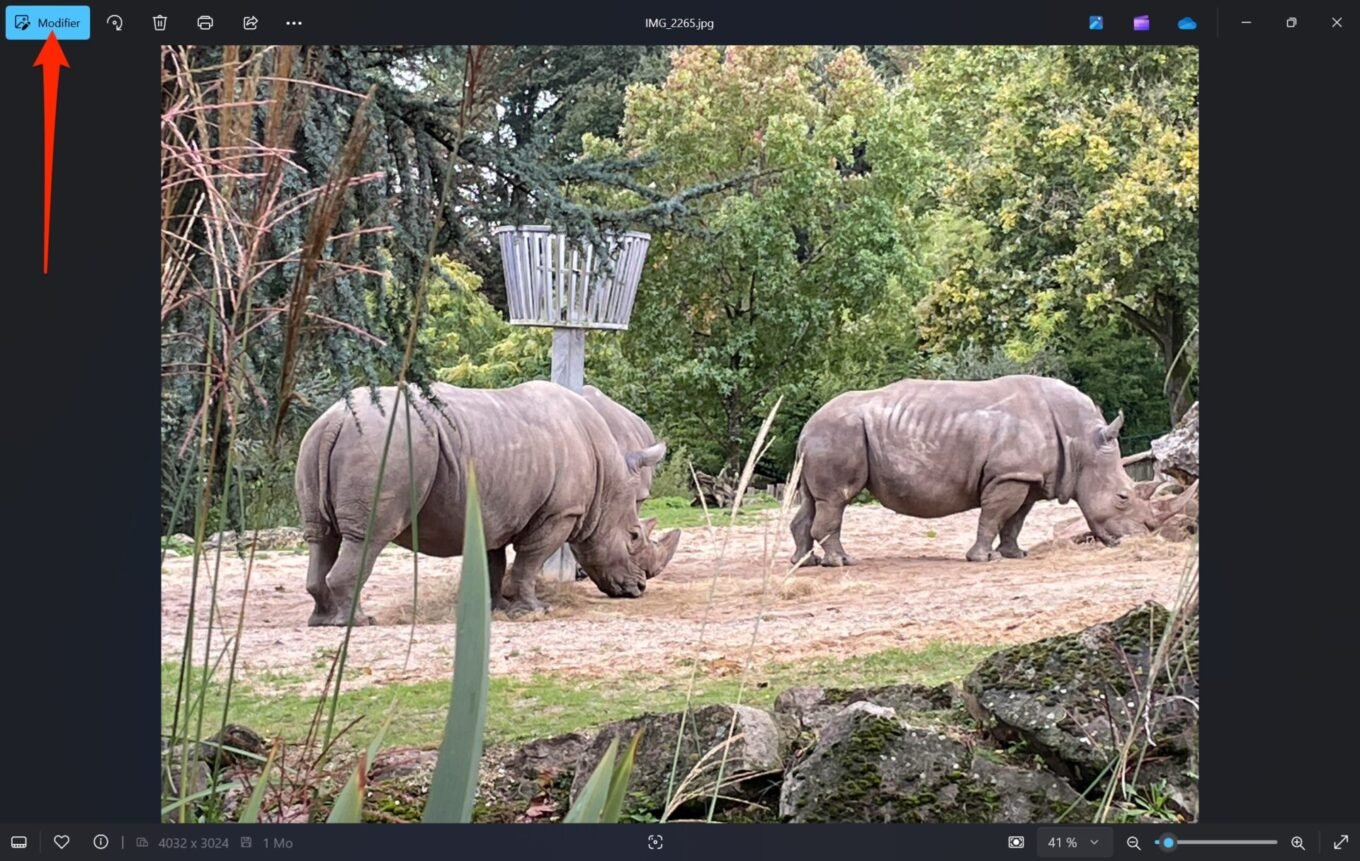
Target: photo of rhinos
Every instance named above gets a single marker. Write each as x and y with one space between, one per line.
739 434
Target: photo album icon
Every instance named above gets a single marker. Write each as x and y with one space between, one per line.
1142 24
1097 22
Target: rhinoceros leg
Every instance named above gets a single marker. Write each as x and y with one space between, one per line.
1010 530
826 529
323 555
495 563
802 533
530 554
345 576
1001 500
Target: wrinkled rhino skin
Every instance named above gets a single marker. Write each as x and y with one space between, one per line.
931 448
548 471
632 434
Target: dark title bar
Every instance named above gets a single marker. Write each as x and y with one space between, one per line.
624 23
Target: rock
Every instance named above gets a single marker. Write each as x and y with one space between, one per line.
813 707
528 783
277 538
240 747
762 748
1073 699
871 766
1177 453
531 783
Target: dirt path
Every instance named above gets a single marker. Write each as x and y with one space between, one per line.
912 588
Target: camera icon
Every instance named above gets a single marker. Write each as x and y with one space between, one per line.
1015 841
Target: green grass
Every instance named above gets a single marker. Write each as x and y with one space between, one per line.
545 705
678 512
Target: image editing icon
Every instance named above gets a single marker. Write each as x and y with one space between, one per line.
1142 23
1097 22
1187 23
21 22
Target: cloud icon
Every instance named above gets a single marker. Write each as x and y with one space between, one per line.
1187 23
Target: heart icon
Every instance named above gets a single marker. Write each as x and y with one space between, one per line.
61 840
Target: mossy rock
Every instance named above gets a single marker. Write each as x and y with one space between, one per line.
871 766
1072 698
813 707
763 749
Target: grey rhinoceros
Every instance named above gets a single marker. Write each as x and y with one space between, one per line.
632 434
548 470
930 448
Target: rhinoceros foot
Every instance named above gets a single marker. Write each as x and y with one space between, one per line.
338 619
977 555
812 560
837 560
1012 552
522 608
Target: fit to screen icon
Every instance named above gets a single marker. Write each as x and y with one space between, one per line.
1015 841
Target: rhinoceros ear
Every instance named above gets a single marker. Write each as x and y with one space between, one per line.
649 456
1110 432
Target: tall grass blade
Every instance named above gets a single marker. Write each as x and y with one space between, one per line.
618 782
251 812
453 788
589 806
349 804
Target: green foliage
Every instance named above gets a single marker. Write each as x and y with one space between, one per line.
736 312
469 343
1069 199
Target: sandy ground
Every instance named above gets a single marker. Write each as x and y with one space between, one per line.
911 588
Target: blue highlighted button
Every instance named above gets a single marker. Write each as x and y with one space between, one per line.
35 22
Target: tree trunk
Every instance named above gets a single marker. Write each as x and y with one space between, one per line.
732 443
1178 370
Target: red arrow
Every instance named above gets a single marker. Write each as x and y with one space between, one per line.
51 58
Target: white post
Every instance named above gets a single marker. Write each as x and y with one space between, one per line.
569 370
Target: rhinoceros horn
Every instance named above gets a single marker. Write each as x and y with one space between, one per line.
662 551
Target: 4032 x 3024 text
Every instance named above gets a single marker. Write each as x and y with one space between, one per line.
699 24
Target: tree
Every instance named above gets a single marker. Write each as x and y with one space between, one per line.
741 309
1070 197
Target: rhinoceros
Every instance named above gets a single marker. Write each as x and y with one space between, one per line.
931 448
549 473
632 434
